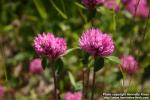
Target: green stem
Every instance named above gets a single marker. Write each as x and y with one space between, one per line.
136 8
93 84
83 90
6 74
87 83
114 21
82 16
91 16
58 10
130 82
132 41
55 81
123 85
146 26
123 78
63 5
5 69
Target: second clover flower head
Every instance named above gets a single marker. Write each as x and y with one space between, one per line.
96 43
48 45
36 66
2 92
129 64
141 7
91 4
110 4
73 96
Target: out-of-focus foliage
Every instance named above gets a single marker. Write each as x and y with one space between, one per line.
21 20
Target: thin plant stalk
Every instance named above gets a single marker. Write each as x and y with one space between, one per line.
130 82
63 5
94 73
87 83
124 83
123 86
55 80
5 69
145 29
82 16
114 21
93 84
146 26
136 8
58 10
83 78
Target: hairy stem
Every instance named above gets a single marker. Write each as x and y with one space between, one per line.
93 85
55 81
123 86
146 26
134 15
87 83
130 82
136 8
3 60
83 90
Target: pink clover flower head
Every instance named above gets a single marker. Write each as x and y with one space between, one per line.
111 4
129 64
73 96
1 91
91 4
47 44
142 9
96 43
36 66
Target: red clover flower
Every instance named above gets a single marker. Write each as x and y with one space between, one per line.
110 4
142 7
73 96
36 66
129 64
48 45
96 43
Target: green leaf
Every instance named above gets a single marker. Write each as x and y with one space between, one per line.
59 64
45 62
72 79
6 28
98 64
114 21
79 5
21 56
58 10
113 59
71 50
79 86
40 7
